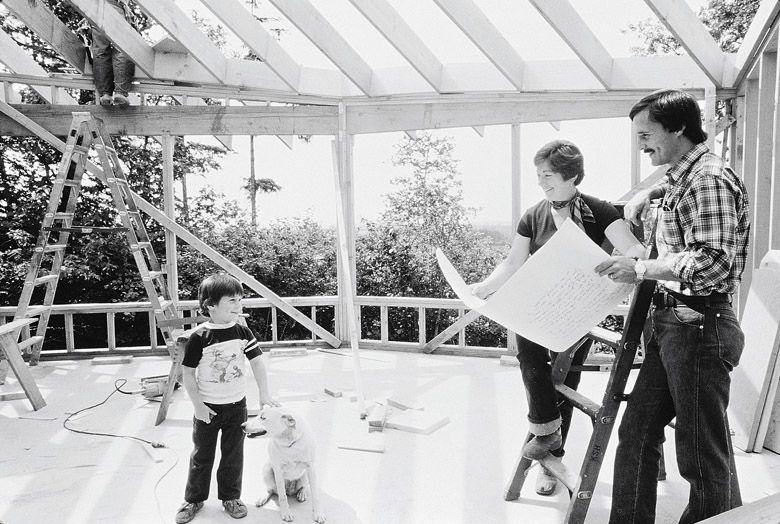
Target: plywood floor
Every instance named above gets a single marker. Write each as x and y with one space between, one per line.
455 475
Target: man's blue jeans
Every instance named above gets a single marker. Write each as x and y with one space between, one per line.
685 374
113 71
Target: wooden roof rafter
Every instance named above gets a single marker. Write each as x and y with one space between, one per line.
324 36
683 23
562 16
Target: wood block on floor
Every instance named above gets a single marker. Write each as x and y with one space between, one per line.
377 414
15 395
371 442
509 360
415 421
334 392
400 402
119 359
288 352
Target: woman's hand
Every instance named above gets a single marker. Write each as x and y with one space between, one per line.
479 290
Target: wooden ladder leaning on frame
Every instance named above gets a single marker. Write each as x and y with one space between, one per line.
602 415
86 133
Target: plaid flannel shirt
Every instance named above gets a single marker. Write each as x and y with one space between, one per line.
703 224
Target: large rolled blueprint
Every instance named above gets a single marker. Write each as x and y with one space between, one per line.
556 297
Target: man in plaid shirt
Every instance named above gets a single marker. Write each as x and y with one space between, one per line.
702 237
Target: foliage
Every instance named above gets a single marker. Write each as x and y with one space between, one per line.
727 21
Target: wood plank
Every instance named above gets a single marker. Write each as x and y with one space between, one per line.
570 26
305 16
451 330
753 381
765 147
762 511
415 421
683 23
119 31
402 37
184 31
236 18
481 31
19 61
20 369
39 18
752 45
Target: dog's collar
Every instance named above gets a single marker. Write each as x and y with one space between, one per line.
291 444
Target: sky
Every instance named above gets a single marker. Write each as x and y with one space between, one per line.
306 172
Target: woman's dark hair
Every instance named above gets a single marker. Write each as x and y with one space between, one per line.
564 158
675 110
216 286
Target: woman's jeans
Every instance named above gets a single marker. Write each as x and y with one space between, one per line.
228 419
113 71
546 411
685 374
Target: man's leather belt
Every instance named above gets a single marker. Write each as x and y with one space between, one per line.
664 299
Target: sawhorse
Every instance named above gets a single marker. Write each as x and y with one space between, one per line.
602 415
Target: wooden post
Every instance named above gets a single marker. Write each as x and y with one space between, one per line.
766 151
517 212
636 159
709 115
747 123
345 223
169 207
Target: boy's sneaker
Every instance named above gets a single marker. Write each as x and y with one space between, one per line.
105 100
121 100
187 512
235 508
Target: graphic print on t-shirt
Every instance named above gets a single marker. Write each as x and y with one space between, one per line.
221 362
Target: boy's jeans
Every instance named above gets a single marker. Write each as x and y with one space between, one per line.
228 419
685 374
113 71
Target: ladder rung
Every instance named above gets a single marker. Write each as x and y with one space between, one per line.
80 149
145 245
87 229
35 311
45 279
54 247
560 472
62 215
579 401
71 183
24 344
163 304
605 336
156 274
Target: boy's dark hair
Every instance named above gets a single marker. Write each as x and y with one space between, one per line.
564 157
216 286
675 110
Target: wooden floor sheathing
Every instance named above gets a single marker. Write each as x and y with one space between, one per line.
456 474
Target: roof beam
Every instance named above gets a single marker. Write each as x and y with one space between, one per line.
562 16
757 35
692 35
121 34
235 16
395 29
19 61
322 34
184 31
481 31
47 26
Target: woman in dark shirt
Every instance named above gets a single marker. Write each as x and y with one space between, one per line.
559 169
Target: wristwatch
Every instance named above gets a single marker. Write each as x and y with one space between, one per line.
640 269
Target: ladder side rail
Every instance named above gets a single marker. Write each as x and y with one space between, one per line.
613 395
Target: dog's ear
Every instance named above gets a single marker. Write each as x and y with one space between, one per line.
289 420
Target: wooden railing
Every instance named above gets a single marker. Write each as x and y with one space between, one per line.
446 308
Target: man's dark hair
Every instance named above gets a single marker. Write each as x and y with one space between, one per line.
564 158
216 286
675 110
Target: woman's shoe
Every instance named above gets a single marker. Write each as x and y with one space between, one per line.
541 445
546 481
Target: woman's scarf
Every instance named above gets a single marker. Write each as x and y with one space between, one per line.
580 212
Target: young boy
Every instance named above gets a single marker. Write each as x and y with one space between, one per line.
213 373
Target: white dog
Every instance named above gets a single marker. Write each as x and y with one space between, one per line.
290 469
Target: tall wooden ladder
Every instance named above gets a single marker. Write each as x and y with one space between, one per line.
602 415
86 134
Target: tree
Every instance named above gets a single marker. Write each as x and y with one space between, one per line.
253 185
727 21
396 253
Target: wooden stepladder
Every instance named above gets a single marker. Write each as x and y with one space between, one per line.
602 415
88 134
